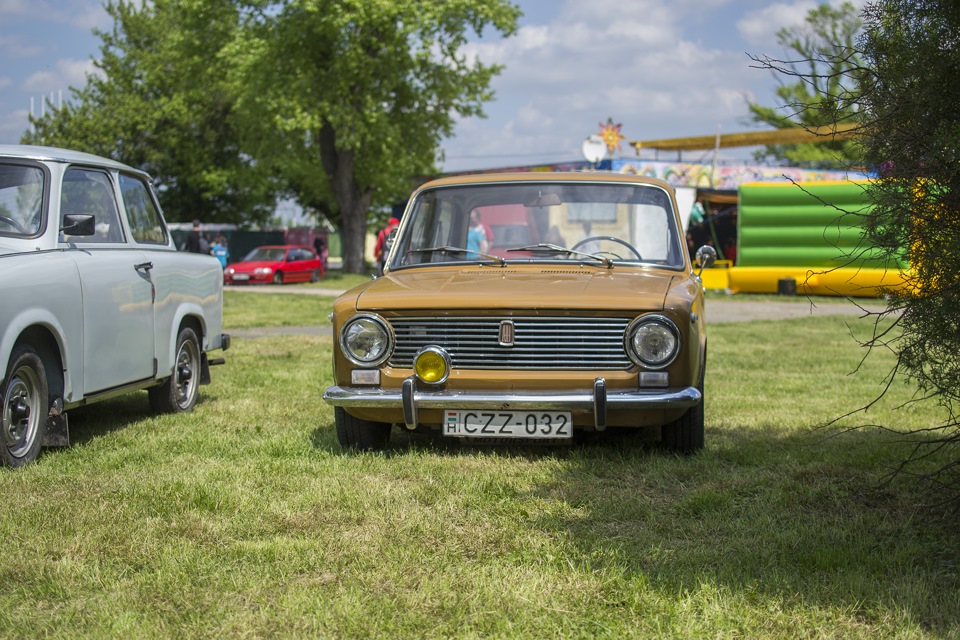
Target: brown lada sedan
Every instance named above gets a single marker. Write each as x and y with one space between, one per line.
521 307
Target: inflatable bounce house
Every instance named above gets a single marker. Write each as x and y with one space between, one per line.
804 238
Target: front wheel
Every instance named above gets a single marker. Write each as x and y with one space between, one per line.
686 434
278 277
25 408
365 435
179 392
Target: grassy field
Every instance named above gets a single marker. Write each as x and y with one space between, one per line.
245 519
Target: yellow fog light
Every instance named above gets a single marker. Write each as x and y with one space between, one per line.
432 365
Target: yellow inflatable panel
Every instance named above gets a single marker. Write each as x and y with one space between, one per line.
717 277
847 281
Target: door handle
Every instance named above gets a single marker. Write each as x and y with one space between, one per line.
143 266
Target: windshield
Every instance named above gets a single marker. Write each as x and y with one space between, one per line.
600 223
266 254
21 200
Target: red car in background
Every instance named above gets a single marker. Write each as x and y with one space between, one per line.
277 264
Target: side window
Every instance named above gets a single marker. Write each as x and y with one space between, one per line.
21 200
143 216
88 191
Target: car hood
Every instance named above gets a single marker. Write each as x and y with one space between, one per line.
14 245
545 287
247 267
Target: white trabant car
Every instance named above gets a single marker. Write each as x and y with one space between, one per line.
96 300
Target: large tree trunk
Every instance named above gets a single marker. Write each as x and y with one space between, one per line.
353 202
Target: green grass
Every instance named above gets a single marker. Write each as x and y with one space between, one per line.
713 294
245 519
340 280
244 310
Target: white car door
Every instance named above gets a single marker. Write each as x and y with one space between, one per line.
117 291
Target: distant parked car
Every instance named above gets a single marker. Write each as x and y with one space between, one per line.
585 313
96 300
277 265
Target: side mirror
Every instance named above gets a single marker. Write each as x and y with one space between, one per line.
79 224
390 239
706 256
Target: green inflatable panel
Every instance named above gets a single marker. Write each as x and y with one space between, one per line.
804 224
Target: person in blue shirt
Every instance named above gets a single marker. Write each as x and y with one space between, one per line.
476 237
219 251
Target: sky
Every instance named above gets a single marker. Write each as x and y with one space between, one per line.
659 69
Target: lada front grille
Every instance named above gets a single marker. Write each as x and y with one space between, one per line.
537 342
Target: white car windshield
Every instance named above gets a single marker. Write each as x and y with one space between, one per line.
21 200
602 223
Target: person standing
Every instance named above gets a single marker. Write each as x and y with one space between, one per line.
380 250
193 241
220 251
476 237
320 245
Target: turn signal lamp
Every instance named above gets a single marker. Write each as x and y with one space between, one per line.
431 365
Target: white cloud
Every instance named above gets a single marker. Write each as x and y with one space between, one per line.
12 125
759 28
640 62
18 47
633 62
66 73
5 82
84 15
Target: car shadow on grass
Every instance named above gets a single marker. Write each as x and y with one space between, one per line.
803 522
102 418
402 441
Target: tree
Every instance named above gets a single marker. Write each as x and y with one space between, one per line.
351 98
827 73
160 102
911 100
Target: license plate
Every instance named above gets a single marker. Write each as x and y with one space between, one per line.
241 276
508 424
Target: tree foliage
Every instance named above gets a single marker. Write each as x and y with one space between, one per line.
160 101
825 78
350 98
912 102
341 104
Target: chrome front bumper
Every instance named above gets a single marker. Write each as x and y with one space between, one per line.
600 400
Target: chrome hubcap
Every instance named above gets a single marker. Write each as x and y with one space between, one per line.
187 359
20 420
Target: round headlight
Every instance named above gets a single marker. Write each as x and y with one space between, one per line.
432 365
263 271
365 340
653 342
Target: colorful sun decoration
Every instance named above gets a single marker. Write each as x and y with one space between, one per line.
611 135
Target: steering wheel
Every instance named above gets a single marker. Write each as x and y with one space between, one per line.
611 239
13 223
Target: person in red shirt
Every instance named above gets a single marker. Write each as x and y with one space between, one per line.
380 249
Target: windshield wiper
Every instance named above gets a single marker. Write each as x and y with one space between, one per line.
552 248
448 249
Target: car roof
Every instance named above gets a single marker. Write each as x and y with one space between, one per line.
56 154
545 177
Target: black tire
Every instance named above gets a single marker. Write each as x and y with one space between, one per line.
180 391
686 434
315 276
26 400
363 435
278 277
